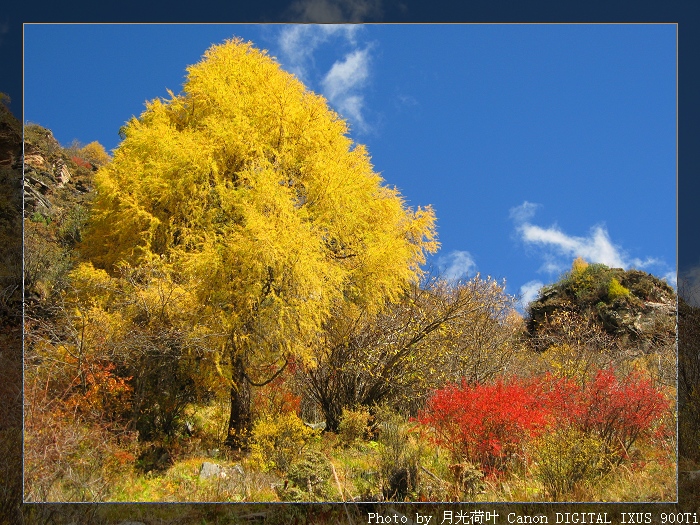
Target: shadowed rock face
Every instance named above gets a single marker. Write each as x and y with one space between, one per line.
643 316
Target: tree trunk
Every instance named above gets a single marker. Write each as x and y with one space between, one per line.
239 422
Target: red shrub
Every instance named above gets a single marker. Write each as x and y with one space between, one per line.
485 424
106 397
276 398
620 411
81 162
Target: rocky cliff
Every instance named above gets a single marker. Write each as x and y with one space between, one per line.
55 179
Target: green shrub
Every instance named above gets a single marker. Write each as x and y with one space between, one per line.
70 231
278 441
309 476
353 425
40 217
588 282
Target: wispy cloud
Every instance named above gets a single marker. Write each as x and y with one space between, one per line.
524 212
529 292
299 43
344 82
457 265
559 248
671 278
597 247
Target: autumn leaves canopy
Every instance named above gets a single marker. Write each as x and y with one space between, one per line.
247 191
248 184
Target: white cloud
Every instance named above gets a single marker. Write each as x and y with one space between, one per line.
597 247
347 75
457 265
524 212
298 43
529 292
343 83
671 278
559 248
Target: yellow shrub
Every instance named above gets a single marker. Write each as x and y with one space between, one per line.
615 290
353 425
95 153
578 267
278 441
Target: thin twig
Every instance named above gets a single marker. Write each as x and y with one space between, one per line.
433 475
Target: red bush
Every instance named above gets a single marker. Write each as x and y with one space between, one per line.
486 424
620 411
277 397
81 162
105 398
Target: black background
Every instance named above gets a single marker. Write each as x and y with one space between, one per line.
683 13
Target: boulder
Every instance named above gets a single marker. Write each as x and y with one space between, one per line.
210 470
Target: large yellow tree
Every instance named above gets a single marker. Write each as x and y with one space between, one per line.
248 189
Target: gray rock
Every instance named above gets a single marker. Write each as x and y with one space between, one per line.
210 470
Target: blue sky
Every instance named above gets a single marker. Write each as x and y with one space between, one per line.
535 144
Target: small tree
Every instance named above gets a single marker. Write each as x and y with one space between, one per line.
95 153
437 332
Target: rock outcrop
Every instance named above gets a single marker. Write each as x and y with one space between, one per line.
634 307
53 181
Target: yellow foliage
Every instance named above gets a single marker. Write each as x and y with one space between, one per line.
248 189
354 424
616 290
279 441
91 285
95 153
579 266
566 457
